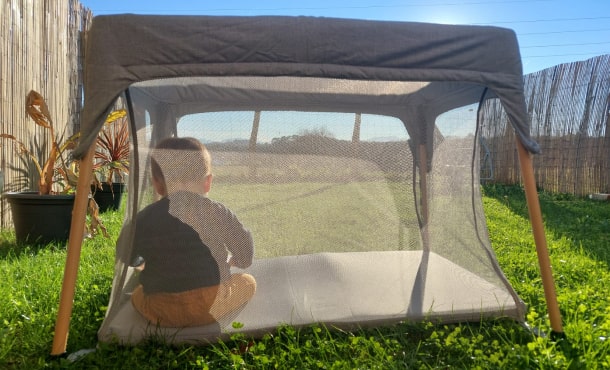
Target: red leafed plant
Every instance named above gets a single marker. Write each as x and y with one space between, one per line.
111 159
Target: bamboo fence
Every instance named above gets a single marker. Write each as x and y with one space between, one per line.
41 43
569 110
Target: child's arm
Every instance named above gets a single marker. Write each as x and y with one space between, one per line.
241 248
236 238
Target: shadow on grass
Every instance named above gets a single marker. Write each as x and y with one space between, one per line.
585 222
10 247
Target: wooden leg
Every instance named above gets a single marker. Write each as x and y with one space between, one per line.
75 242
533 205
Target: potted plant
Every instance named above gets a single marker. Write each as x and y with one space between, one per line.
111 161
44 215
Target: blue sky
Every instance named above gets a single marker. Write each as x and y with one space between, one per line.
550 32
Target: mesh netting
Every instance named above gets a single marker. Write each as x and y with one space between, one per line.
356 216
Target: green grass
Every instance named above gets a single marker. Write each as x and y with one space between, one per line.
311 217
578 233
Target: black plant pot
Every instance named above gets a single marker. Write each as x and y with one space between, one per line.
109 196
41 219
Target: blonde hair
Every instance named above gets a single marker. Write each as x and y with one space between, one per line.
180 160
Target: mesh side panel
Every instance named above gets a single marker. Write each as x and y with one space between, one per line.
310 190
356 216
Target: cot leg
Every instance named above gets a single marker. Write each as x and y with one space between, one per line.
533 205
75 242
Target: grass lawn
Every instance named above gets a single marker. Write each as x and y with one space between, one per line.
578 232
312 217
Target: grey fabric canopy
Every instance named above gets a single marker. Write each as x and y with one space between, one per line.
124 49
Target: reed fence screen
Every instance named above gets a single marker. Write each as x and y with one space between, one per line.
569 108
41 43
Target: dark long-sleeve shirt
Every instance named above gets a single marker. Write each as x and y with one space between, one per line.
185 240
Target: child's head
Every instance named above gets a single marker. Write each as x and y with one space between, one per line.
181 163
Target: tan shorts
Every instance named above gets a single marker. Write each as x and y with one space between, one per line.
195 307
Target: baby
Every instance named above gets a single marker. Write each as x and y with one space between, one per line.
188 243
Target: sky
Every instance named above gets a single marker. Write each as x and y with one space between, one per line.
550 32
